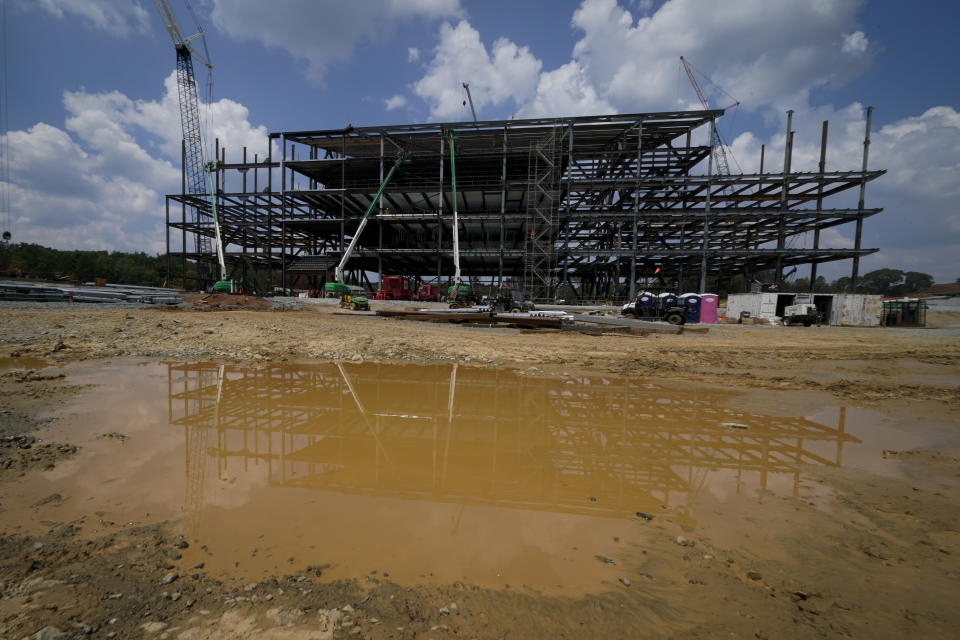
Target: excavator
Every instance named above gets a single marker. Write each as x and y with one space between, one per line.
347 298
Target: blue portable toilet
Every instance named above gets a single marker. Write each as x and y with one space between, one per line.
646 304
667 300
691 301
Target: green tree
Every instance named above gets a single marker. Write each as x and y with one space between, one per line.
840 285
915 281
882 281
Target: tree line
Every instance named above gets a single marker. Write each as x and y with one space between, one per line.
41 262
886 282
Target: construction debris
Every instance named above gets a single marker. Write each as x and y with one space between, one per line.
92 293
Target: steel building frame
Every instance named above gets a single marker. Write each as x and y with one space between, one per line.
578 208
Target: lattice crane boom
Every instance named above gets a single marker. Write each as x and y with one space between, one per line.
719 152
196 183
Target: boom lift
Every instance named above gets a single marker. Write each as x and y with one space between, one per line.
223 285
458 293
347 299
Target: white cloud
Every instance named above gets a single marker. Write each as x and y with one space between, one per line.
765 52
565 92
507 72
760 51
395 102
322 32
855 43
99 182
119 17
413 54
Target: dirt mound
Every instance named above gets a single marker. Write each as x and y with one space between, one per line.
225 302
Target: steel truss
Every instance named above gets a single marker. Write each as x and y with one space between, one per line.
587 207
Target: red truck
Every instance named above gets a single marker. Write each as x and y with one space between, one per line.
427 293
394 288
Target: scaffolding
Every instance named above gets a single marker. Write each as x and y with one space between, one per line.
583 208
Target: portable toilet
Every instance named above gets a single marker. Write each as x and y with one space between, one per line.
646 302
708 307
667 300
691 302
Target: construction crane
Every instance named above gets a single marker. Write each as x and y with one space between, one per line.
719 152
339 286
194 167
470 98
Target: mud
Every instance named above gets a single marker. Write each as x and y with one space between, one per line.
834 513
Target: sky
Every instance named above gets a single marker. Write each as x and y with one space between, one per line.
93 139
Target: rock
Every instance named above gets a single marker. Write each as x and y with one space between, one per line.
153 627
53 497
439 627
48 633
605 560
645 516
453 607
183 544
444 611
753 575
170 577
347 609
683 542
625 581
250 587
175 596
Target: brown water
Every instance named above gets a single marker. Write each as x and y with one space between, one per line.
426 473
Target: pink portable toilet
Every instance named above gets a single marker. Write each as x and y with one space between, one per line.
708 308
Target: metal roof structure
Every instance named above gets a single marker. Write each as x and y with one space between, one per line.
582 207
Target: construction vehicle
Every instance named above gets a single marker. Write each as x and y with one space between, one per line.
458 294
224 284
348 297
647 307
511 301
394 288
805 314
427 293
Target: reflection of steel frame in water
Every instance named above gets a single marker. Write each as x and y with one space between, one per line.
484 436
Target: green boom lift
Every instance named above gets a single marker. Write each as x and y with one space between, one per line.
223 285
347 299
459 294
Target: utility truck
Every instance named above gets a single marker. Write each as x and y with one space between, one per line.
805 314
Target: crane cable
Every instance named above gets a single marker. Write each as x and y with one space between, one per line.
5 136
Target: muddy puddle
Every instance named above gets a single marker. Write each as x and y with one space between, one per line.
424 473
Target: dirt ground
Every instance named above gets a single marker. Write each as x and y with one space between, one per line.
875 557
